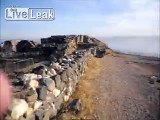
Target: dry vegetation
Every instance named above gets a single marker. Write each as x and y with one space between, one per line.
85 90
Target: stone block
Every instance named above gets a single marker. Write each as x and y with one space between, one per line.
49 83
42 93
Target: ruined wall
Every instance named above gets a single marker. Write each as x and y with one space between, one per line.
40 94
42 98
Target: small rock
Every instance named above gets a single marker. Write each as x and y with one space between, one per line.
64 76
42 93
49 83
66 98
62 86
151 81
153 77
37 104
158 79
29 113
56 92
57 80
52 71
31 96
39 114
29 76
50 97
18 108
56 66
75 106
54 110
58 102
69 72
33 84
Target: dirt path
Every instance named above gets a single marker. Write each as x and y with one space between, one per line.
123 89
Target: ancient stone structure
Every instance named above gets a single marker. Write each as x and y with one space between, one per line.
40 92
9 46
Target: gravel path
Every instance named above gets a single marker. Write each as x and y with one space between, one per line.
123 89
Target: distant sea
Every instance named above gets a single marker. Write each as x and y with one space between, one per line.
145 46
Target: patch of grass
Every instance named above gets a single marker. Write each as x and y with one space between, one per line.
86 89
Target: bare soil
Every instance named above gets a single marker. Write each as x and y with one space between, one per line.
123 90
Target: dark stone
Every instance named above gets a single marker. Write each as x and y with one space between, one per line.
158 80
69 72
73 65
39 114
57 80
75 106
49 83
40 70
64 76
25 46
100 52
62 85
42 93
58 101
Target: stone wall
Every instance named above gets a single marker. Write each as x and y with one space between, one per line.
42 96
40 93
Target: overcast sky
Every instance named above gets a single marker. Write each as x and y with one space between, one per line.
98 18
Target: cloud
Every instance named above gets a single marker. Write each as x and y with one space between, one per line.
141 20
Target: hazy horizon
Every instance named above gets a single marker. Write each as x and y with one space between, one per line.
97 18
137 45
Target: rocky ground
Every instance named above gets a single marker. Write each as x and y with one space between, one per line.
127 88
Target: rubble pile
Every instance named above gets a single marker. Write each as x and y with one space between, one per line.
40 93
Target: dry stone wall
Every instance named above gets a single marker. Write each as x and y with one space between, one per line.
42 95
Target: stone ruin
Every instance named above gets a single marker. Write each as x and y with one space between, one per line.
45 75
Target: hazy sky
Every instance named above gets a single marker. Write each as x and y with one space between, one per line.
99 18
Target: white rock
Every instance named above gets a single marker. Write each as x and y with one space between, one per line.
153 77
39 76
49 73
54 113
18 108
69 90
56 92
29 76
33 84
29 112
37 104
66 98
53 72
